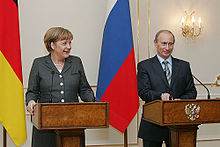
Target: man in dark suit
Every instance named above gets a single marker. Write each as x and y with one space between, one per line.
162 77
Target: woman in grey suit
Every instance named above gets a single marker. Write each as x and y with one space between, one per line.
56 78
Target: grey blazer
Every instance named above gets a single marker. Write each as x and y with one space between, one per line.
46 84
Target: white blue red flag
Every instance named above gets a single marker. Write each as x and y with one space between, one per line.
117 83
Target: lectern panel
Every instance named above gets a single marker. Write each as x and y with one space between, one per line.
183 117
71 115
191 112
153 112
182 112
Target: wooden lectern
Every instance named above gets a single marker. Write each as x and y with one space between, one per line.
69 120
182 117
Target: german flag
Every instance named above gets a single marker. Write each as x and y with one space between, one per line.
12 112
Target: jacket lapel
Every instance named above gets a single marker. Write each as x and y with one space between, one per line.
67 65
175 71
50 65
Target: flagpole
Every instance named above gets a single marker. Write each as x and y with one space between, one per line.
4 137
126 138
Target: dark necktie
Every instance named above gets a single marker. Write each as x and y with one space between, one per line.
167 71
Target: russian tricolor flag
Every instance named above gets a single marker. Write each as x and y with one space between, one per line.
117 81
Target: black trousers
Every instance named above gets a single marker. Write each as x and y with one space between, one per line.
147 143
43 138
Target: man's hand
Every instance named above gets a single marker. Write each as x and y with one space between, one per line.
165 96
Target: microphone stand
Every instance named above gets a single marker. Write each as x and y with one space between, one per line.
208 96
52 72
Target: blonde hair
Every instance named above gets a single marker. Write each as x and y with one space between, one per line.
55 34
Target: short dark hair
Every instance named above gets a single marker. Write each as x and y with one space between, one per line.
161 31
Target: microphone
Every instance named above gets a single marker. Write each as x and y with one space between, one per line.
52 73
170 92
208 96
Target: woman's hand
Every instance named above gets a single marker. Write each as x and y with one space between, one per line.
30 106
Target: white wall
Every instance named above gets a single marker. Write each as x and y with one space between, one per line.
85 19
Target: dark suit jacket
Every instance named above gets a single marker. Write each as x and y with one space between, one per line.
152 83
47 85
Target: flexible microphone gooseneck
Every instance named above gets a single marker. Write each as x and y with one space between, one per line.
208 96
52 73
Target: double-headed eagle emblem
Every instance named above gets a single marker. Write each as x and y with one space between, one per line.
192 111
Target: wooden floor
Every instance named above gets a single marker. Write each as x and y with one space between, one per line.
198 144
139 145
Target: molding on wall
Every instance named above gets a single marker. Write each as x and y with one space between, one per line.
207 140
148 29
207 84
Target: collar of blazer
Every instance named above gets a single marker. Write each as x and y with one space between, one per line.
67 64
175 70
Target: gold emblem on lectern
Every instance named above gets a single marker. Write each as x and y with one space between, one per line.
192 111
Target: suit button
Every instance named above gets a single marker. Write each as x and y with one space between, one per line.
62 100
60 76
62 92
61 84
